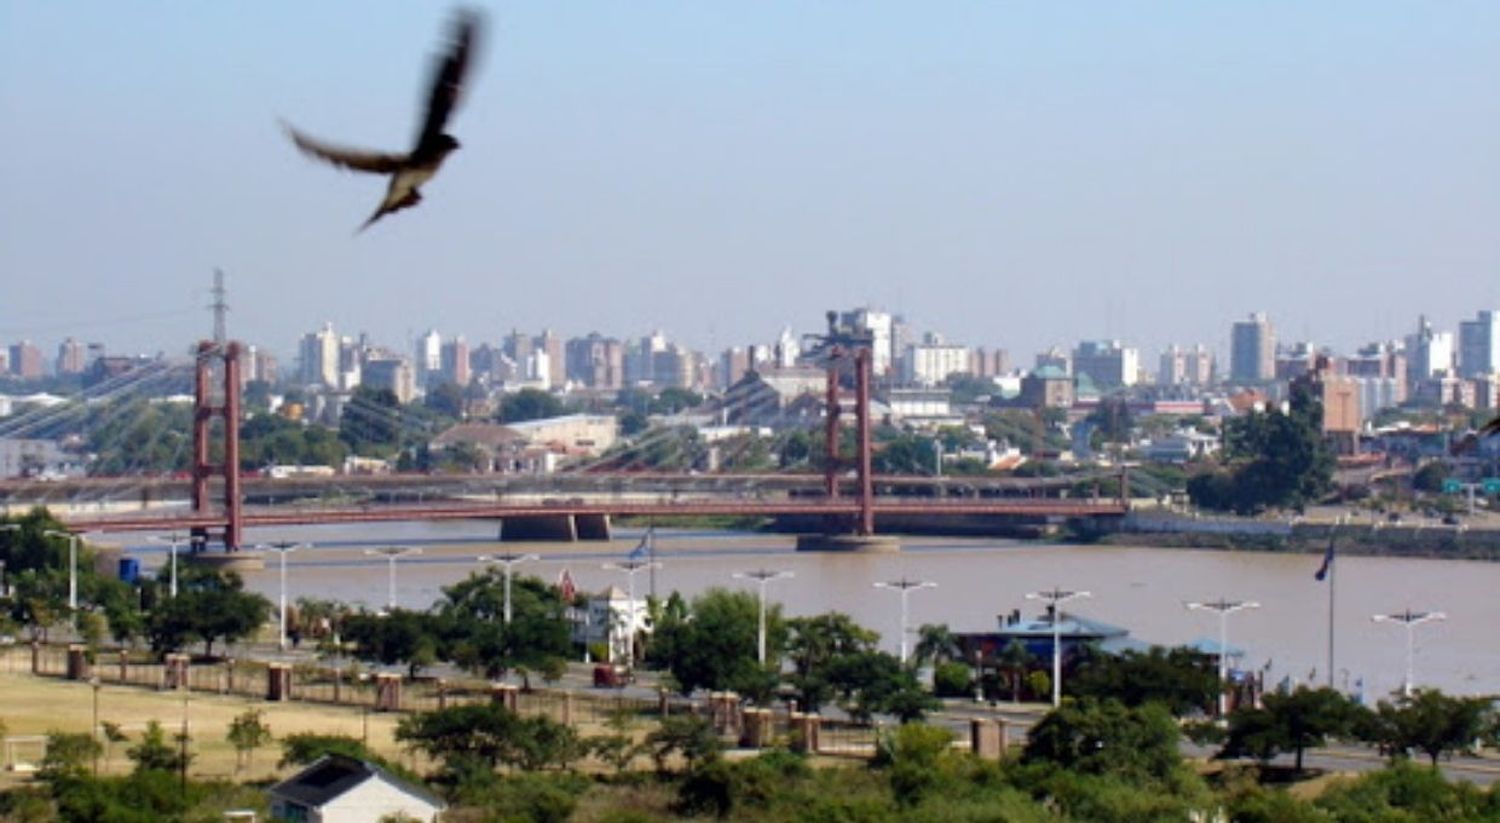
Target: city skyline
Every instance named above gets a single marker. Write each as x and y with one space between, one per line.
1017 177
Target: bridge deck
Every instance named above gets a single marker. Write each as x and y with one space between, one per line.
1022 507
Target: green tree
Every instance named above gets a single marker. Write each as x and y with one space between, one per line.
68 756
686 736
371 422
247 732
400 636
471 620
492 735
1112 420
1430 722
302 748
936 643
1180 679
1106 737
874 682
210 606
154 753
446 399
715 645
1290 723
528 404
1277 459
1013 662
813 646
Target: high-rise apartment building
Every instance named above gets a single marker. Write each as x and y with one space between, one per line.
595 361
933 360
989 362
1429 353
1055 358
454 365
427 358
1107 363
71 357
1252 350
318 358
557 365
1180 366
25 360
393 373
1479 345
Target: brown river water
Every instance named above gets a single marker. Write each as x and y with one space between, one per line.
1141 589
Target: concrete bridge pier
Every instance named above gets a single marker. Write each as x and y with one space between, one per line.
557 528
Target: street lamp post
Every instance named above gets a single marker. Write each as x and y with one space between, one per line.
509 560
905 587
282 548
762 577
72 538
1411 620
172 541
631 567
1224 608
391 553
1055 598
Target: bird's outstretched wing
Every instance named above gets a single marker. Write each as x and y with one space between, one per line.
448 78
353 159
1490 428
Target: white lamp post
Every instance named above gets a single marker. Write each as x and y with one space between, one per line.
72 538
1055 598
1411 620
391 553
172 540
509 561
1224 608
905 587
282 548
631 567
762 577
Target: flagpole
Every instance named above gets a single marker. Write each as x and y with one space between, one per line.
651 554
1332 577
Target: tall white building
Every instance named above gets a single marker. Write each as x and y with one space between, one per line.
1252 350
318 358
1181 366
933 360
1107 363
879 325
1429 353
1479 345
428 356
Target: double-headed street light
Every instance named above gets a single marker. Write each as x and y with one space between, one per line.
172 540
72 538
762 577
1411 620
631 568
1055 598
509 560
391 553
1224 608
282 548
905 587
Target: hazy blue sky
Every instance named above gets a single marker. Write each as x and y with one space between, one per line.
1018 175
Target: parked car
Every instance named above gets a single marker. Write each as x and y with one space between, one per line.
608 676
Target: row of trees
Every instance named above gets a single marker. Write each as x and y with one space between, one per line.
210 606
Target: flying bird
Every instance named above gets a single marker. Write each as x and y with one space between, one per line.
410 171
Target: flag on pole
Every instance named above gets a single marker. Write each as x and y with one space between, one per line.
1323 570
642 547
565 586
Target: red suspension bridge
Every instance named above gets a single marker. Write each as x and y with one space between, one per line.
848 498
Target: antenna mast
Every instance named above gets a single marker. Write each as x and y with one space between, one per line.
220 309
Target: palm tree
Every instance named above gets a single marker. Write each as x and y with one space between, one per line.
935 644
1013 661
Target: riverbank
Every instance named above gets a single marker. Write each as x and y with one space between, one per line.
1368 539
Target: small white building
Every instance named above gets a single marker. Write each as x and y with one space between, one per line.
340 789
611 618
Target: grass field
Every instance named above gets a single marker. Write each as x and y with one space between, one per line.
32 706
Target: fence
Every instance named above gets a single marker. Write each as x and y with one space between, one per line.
391 692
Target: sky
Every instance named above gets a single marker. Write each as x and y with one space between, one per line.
1017 175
